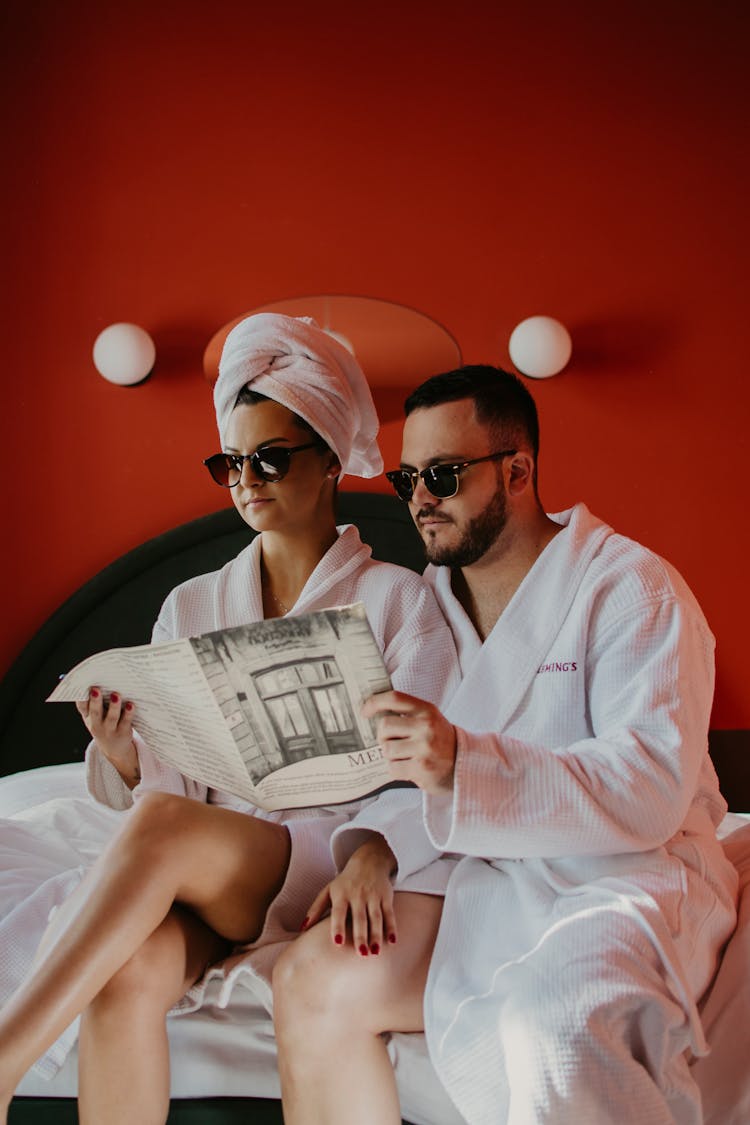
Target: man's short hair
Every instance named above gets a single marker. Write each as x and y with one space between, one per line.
501 401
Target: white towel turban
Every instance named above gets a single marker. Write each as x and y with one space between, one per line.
292 361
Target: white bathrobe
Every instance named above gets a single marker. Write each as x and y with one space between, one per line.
407 624
587 916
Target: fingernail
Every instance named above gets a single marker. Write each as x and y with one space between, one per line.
392 939
114 697
128 706
94 693
339 939
363 950
375 948
305 924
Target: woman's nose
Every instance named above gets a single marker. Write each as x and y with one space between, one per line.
248 478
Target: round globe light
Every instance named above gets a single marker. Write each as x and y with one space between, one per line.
540 346
124 354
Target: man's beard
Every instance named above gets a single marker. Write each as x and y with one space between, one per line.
480 534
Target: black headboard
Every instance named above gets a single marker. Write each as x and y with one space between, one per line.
120 604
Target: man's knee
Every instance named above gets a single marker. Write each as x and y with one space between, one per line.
299 979
315 981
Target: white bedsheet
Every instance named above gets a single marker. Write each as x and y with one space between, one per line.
50 829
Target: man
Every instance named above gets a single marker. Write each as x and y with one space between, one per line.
571 773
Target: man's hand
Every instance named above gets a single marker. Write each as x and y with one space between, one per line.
417 740
361 895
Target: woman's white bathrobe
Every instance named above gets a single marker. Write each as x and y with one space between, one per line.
593 900
407 625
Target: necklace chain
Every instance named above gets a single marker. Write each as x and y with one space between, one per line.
276 601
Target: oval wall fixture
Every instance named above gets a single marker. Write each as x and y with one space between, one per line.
540 346
396 346
124 354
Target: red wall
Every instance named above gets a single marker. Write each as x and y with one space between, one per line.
177 166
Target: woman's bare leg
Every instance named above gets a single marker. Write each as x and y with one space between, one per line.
123 1050
225 866
331 1006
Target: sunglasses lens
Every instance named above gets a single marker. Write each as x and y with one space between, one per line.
221 469
271 464
441 480
401 481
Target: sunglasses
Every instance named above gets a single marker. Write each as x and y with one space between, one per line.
270 464
440 480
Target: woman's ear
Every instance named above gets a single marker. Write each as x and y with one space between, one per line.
334 467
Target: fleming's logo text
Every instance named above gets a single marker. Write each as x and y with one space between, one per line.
558 666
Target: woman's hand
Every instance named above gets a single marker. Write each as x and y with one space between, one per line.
362 895
111 727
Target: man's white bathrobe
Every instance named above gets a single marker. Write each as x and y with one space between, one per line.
407 625
587 914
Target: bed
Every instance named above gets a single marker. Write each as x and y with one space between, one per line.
224 1067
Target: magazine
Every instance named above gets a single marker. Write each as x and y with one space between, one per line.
269 711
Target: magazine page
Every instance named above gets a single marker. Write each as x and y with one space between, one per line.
270 711
291 691
176 713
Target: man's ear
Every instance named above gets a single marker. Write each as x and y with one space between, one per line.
521 475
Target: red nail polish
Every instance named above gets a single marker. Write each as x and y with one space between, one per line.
114 697
392 939
94 693
305 924
128 706
339 939
363 950
375 948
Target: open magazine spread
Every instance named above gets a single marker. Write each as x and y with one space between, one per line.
269 711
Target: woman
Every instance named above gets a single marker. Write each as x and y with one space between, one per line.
174 892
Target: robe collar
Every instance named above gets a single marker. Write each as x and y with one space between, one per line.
496 674
347 554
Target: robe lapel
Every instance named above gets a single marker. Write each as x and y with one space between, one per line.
243 588
346 555
243 585
502 670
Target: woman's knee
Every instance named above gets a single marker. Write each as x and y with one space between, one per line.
140 982
154 825
155 975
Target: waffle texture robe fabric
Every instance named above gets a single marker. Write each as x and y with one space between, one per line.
407 624
588 912
594 898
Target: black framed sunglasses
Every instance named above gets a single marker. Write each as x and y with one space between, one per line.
270 463
440 480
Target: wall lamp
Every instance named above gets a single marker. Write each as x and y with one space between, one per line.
540 346
124 354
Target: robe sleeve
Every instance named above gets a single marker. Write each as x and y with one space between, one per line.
396 815
627 787
421 661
